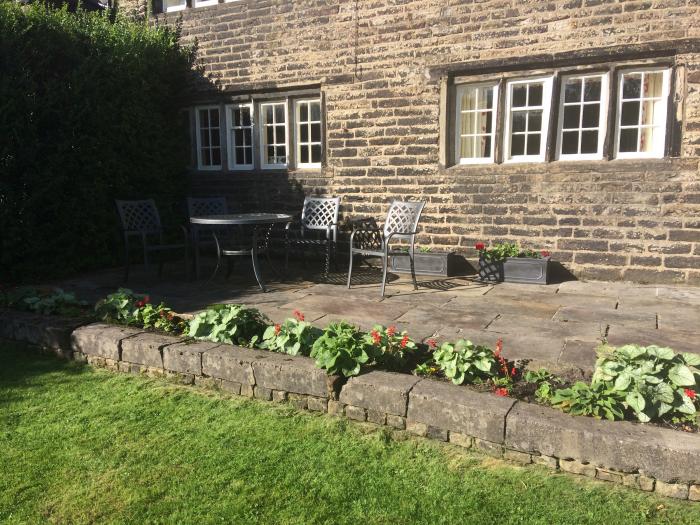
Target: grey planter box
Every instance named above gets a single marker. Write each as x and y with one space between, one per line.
446 264
515 270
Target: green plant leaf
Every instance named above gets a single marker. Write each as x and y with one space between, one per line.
681 375
636 401
623 381
691 359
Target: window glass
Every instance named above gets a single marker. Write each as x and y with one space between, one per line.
241 136
274 134
208 138
528 114
581 116
308 136
476 123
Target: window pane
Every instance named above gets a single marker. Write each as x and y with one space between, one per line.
214 118
316 132
216 156
630 114
591 114
572 90
628 140
236 117
467 150
204 136
279 134
304 154
269 135
648 112
519 95
316 153
240 156
589 141
486 97
270 154
646 139
534 121
315 111
592 89
535 95
268 114
238 137
631 85
248 155
303 112
569 143
519 121
203 118
468 123
282 154
304 133
469 100
279 113
206 157
571 116
245 117
653 84
247 137
484 146
533 144
215 138
517 145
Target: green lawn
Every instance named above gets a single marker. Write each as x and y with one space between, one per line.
79 445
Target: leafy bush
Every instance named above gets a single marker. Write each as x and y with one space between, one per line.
341 349
53 301
229 323
655 382
465 362
294 336
389 348
132 309
500 251
598 400
546 384
89 112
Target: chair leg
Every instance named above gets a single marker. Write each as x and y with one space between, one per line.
126 260
218 258
413 269
328 258
350 268
385 260
286 254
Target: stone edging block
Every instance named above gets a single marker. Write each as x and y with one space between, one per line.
101 339
295 374
665 454
386 392
231 363
186 357
455 408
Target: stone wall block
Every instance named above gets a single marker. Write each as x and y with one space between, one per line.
294 374
384 392
231 363
146 349
100 339
186 357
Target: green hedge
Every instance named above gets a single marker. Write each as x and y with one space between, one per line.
89 112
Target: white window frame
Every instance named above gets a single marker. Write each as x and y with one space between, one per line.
602 117
200 166
174 8
544 128
659 142
204 3
297 135
458 123
231 136
262 129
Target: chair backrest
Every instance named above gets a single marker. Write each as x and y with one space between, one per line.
139 216
320 212
402 218
203 206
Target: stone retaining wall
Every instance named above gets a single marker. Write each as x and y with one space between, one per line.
645 457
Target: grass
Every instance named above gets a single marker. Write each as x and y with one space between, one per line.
79 445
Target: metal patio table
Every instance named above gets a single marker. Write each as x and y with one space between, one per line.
256 220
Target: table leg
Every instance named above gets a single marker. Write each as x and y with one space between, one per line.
256 263
195 236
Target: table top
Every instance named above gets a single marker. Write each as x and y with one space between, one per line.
243 218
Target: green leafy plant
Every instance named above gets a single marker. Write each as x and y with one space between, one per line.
504 250
121 307
52 301
341 349
294 336
425 249
229 323
655 381
159 317
465 362
546 384
597 400
389 347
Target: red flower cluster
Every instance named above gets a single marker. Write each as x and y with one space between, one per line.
690 393
298 315
545 253
376 337
480 246
501 392
143 302
404 341
277 329
391 331
501 361
432 344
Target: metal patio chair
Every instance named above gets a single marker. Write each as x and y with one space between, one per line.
140 218
202 207
319 216
401 223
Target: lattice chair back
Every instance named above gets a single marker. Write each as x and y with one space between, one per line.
320 212
139 216
203 206
402 218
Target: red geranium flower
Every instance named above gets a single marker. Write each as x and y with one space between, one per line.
513 372
277 329
147 299
545 253
404 341
690 393
499 347
480 246
376 336
391 331
140 304
501 392
432 344
298 315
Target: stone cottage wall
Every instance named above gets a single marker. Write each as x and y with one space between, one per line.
380 66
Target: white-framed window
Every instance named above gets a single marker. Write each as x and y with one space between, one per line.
174 5
475 123
642 102
308 133
274 144
204 3
208 125
583 109
527 119
240 136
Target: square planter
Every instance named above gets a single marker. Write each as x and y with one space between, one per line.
515 270
446 264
